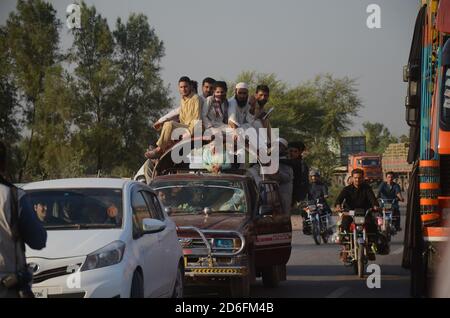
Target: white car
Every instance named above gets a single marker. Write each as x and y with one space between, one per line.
106 238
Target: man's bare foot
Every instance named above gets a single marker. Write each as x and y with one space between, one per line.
157 126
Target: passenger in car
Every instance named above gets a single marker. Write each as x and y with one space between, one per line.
40 208
112 215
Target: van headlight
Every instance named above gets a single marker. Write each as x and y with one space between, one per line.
109 255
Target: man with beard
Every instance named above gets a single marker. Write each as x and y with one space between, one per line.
261 97
241 108
207 88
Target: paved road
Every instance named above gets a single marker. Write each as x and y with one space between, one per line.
316 271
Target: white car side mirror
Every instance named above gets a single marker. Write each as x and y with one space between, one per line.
152 226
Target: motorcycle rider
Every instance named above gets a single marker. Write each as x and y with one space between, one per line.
317 192
390 190
358 195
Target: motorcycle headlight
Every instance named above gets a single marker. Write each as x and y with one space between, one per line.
387 206
109 255
359 220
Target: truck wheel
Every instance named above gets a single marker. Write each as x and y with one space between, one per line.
240 287
271 276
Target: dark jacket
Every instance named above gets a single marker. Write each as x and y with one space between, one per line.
301 178
31 230
357 198
389 192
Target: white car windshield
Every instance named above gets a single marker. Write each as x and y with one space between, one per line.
61 209
195 197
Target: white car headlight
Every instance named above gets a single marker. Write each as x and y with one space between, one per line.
109 255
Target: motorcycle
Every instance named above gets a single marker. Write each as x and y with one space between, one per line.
386 219
317 221
356 244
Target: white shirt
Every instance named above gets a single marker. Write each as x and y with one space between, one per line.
239 115
210 117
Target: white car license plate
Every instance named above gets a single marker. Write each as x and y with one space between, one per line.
40 292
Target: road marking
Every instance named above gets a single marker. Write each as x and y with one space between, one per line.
342 278
398 251
338 292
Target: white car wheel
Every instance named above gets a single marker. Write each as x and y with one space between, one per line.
178 289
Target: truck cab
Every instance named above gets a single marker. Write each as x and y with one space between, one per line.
369 163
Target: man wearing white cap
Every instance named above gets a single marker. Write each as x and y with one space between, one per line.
239 108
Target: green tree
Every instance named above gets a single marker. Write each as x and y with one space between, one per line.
32 37
96 81
340 102
58 155
140 95
9 125
378 137
119 90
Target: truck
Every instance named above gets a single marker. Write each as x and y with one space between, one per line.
354 156
428 115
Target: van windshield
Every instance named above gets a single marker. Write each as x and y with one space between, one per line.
194 197
64 209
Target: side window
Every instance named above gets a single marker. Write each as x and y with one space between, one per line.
140 212
270 197
153 205
264 194
252 193
158 207
276 202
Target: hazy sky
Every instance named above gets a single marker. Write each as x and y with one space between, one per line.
295 39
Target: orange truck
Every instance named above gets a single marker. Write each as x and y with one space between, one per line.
369 163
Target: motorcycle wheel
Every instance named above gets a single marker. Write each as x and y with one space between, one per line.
388 232
361 261
316 232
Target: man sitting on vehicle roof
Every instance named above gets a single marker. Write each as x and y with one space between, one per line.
215 110
190 116
239 109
